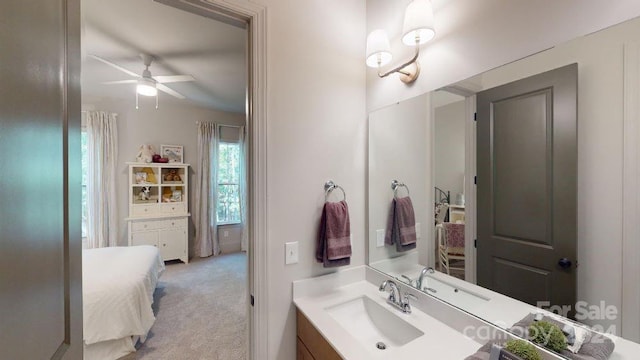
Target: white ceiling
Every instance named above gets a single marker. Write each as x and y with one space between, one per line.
211 51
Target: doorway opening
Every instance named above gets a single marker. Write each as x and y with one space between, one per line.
222 93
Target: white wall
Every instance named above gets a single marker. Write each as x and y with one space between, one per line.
172 123
449 147
475 36
399 149
316 129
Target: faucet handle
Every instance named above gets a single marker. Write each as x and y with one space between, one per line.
408 296
406 307
408 279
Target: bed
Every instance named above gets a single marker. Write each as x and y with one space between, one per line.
117 294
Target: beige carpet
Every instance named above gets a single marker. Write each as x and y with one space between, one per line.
200 311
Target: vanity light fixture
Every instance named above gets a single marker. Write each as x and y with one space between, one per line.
416 30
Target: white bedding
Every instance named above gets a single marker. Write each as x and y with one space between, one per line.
117 292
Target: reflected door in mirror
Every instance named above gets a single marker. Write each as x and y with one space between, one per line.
527 156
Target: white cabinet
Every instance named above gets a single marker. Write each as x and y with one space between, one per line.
158 208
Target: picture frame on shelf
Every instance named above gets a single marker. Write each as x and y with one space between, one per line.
173 152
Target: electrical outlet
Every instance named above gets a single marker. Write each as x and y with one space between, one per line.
291 253
380 238
225 233
418 232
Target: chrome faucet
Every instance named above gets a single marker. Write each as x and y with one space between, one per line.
401 303
423 274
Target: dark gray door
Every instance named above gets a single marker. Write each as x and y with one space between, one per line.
40 245
527 163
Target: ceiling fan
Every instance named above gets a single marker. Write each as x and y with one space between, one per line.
146 84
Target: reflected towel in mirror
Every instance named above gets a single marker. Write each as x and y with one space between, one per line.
334 239
401 225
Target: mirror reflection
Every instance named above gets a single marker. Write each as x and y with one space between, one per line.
520 210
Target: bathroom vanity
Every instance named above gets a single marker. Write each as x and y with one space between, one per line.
347 311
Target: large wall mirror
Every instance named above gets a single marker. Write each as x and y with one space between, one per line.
522 209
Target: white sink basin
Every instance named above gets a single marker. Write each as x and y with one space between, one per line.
372 323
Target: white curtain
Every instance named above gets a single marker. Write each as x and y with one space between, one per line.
206 240
244 244
102 157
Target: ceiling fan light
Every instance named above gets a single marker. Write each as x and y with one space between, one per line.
146 87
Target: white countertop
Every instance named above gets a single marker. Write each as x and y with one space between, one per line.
438 342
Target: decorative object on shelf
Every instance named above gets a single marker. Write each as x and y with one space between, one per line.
145 153
166 194
141 177
145 193
176 196
172 176
157 158
151 177
172 152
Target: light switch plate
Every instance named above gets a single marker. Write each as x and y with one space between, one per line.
418 232
291 253
380 238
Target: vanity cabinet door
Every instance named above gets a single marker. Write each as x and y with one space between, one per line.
303 353
316 345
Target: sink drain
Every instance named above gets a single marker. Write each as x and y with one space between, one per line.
381 346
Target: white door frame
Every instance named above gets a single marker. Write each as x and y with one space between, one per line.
241 12
469 186
630 312
470 210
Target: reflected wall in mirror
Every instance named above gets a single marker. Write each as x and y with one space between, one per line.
398 135
607 290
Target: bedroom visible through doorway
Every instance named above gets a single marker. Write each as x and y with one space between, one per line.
198 68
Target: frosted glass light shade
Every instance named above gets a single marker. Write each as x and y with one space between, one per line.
146 87
378 49
418 23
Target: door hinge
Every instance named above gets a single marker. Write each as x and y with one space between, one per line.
475 116
475 180
475 243
252 301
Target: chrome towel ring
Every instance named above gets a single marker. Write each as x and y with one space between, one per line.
329 186
395 184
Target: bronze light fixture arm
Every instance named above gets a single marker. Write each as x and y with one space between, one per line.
408 70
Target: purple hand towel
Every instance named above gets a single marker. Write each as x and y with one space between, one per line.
334 239
401 225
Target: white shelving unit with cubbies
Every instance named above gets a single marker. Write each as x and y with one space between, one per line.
159 208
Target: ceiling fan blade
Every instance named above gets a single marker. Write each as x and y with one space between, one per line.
120 82
173 78
113 65
169 91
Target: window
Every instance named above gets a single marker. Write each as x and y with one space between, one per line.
228 206
83 145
